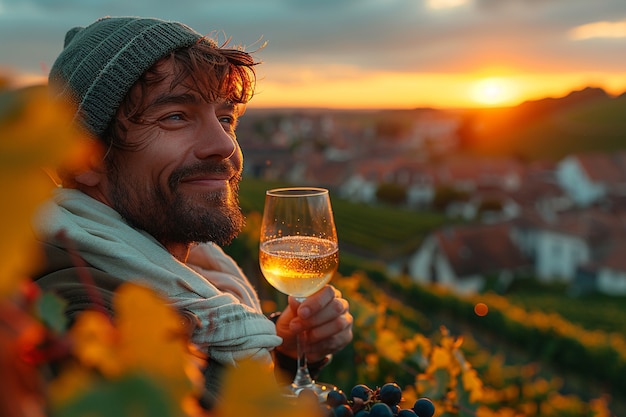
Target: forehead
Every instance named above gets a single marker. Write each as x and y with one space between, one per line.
167 89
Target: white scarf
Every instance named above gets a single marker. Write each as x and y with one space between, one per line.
210 284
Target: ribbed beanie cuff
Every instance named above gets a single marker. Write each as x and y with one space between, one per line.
100 63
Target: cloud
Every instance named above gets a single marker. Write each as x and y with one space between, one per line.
599 30
356 36
445 4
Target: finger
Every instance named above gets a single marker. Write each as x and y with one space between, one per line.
328 313
330 329
317 349
316 302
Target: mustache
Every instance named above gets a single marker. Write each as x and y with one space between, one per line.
202 168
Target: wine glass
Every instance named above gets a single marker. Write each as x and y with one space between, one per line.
299 254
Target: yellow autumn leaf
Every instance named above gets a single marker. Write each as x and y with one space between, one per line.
146 338
440 358
389 345
36 133
96 343
473 384
153 340
251 390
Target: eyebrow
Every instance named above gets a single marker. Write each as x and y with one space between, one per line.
166 99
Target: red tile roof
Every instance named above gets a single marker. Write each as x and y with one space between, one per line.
479 249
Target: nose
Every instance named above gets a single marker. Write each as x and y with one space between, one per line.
214 141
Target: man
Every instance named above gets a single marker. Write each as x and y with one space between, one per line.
163 101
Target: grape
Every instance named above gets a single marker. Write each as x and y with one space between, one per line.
336 397
406 412
424 407
390 394
343 410
380 410
361 391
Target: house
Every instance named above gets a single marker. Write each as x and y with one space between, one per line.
611 277
607 275
470 173
572 240
487 204
591 177
368 174
362 184
461 257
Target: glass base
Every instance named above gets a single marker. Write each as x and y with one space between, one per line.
321 389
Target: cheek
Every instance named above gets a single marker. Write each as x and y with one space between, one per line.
237 158
144 169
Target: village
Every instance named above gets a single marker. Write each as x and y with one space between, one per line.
561 221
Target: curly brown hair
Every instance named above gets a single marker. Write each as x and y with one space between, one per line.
216 73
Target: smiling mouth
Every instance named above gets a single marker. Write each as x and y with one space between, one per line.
205 177
209 183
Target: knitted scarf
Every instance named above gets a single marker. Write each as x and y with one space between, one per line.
210 284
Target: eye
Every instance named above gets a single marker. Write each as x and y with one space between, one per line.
172 117
228 122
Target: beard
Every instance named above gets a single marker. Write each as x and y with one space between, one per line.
174 217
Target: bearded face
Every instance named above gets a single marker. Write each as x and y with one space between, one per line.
177 174
172 214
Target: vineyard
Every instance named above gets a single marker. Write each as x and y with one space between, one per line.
535 353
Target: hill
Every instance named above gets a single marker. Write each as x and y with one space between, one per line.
550 128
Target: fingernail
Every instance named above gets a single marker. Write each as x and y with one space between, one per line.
304 312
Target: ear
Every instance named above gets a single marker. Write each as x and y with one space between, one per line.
86 168
91 177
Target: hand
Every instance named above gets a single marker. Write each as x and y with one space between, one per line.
325 318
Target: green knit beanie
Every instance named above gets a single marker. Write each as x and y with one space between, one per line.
101 62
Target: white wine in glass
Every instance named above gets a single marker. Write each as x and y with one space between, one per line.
299 253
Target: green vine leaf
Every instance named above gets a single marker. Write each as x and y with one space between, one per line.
50 310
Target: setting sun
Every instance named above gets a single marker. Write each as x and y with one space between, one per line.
494 91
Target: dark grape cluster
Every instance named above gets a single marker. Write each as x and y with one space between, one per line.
364 401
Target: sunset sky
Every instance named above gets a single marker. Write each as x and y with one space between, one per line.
368 53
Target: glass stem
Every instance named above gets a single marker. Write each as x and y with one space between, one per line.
303 377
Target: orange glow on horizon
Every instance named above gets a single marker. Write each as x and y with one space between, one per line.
406 90
351 89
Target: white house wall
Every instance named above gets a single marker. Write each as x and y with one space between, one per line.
611 282
357 189
444 273
559 255
571 176
419 264
420 195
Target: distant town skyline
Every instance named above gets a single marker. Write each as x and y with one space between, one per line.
368 53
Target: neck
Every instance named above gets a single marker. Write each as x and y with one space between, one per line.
179 251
